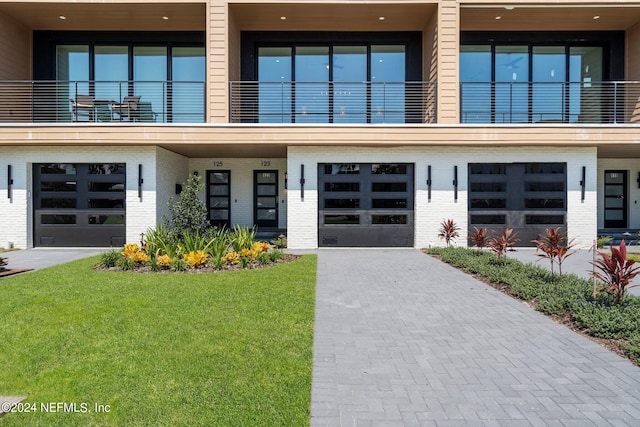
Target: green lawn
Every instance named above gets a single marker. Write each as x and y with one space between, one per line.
231 348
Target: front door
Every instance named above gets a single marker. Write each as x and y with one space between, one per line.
265 198
219 197
615 199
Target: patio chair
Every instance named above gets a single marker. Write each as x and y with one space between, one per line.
103 113
82 106
145 113
127 109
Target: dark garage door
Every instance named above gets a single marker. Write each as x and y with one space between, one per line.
79 204
365 204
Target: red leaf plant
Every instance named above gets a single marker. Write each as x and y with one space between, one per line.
554 247
501 242
616 272
479 237
448 231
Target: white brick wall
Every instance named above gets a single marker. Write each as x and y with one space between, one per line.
172 169
16 214
242 184
303 214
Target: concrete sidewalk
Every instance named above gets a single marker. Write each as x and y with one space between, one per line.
402 339
38 258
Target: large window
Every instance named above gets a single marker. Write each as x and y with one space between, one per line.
331 77
167 71
538 77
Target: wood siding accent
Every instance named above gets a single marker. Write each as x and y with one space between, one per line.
218 71
448 47
15 50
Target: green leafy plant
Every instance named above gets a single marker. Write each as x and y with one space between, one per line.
501 242
280 242
109 259
616 272
448 231
603 241
479 237
178 264
160 241
555 247
189 213
242 237
275 255
126 263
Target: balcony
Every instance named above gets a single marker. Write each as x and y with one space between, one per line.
332 102
583 102
99 102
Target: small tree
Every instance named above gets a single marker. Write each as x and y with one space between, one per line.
554 247
501 242
479 237
189 213
448 231
616 272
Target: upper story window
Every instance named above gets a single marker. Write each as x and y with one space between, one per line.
329 78
536 78
166 71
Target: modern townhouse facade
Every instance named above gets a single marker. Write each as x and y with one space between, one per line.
341 123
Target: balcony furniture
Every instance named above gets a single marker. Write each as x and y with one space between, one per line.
127 109
145 113
82 106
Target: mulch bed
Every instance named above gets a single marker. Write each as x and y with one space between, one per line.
565 319
4 273
253 266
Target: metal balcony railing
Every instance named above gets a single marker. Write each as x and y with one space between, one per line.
562 102
332 102
141 102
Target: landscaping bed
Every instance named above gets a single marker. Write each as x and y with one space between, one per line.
568 299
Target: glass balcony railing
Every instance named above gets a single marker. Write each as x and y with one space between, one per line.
141 102
332 102
542 102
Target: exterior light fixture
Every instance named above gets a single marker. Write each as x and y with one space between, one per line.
9 181
596 17
283 18
140 181
509 7
498 17
302 182
455 183
62 17
429 182
583 182
381 18
165 17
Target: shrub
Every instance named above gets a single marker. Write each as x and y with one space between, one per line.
276 255
448 231
479 237
501 242
554 247
280 242
109 259
606 321
160 241
196 259
189 213
616 272
178 264
126 263
242 237
632 346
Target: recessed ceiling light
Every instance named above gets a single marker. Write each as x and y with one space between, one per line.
165 17
509 7
283 18
381 18
62 17
498 17
596 17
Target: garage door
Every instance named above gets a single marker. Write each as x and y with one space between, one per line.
79 204
365 204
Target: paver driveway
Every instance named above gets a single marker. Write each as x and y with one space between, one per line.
403 339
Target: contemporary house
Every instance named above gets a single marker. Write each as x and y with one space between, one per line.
341 123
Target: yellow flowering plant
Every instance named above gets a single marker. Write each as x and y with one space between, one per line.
196 259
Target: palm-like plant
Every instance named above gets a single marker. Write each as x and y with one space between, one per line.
479 237
448 231
616 272
554 247
501 242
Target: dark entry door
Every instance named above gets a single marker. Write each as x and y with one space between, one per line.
265 198
219 197
615 199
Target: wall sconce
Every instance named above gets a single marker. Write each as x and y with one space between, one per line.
429 182
455 183
286 180
140 181
583 182
638 180
9 182
302 182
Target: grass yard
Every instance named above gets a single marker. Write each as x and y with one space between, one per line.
232 348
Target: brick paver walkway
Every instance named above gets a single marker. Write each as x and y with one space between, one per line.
403 339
